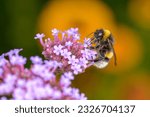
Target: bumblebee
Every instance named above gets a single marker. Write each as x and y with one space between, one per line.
102 42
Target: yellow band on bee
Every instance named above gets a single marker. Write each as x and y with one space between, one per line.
106 34
109 55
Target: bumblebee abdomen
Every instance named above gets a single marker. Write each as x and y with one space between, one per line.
109 55
101 64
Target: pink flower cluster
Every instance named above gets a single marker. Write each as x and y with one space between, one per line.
37 82
46 79
64 47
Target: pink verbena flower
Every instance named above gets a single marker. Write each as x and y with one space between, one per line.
74 55
40 81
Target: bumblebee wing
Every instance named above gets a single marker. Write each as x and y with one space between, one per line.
115 58
91 38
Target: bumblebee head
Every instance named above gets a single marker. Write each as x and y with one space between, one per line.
102 34
98 34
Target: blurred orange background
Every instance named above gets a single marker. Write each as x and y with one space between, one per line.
129 22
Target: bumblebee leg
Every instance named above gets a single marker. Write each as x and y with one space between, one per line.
92 47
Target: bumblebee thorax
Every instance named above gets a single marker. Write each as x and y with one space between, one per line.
106 34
